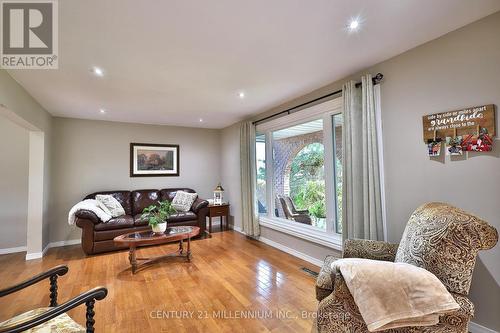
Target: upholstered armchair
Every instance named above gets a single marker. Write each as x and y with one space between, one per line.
52 318
438 237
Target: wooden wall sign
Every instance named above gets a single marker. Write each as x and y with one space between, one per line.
461 122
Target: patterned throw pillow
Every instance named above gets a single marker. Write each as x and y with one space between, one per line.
183 201
110 205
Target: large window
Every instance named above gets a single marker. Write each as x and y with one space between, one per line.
299 172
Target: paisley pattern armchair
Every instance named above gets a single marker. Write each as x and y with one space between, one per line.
438 237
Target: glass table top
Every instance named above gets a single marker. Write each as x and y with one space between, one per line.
171 231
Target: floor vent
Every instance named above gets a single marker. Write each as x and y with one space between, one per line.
310 272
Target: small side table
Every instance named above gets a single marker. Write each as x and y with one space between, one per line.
218 211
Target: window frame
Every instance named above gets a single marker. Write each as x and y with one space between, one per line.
324 111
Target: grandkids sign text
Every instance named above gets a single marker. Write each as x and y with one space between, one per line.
461 122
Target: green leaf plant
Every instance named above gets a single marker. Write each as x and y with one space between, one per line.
156 214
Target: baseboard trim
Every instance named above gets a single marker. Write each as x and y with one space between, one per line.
284 248
13 250
38 255
34 255
476 328
293 252
65 243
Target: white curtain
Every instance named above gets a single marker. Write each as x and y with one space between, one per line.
361 201
250 220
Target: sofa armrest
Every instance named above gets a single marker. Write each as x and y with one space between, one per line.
87 220
199 204
87 215
368 249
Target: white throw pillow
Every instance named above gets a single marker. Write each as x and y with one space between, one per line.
183 201
110 205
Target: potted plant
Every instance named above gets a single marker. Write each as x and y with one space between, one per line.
157 215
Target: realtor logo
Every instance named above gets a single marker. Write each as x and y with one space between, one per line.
29 36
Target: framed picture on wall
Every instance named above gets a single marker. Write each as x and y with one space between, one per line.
154 160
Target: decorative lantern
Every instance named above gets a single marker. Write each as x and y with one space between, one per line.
218 195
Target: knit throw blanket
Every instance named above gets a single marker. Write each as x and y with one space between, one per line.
91 205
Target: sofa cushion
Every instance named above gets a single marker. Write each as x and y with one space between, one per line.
177 217
184 224
139 220
144 198
445 240
124 221
169 193
182 216
123 197
109 235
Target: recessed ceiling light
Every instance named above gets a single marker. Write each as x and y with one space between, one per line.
241 94
201 120
102 111
354 25
97 71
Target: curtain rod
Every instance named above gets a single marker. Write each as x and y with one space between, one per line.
376 79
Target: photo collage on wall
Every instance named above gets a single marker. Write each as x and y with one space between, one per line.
481 142
434 147
467 130
454 146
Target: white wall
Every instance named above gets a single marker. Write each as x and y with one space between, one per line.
13 184
458 70
91 156
16 103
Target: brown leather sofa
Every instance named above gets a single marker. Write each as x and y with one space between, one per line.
97 237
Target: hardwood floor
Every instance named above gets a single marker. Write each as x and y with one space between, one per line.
230 276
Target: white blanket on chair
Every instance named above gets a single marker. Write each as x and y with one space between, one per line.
91 205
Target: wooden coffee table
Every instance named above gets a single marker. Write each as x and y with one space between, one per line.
144 238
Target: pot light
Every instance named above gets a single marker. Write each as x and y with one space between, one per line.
354 24
241 94
97 71
102 111
201 120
